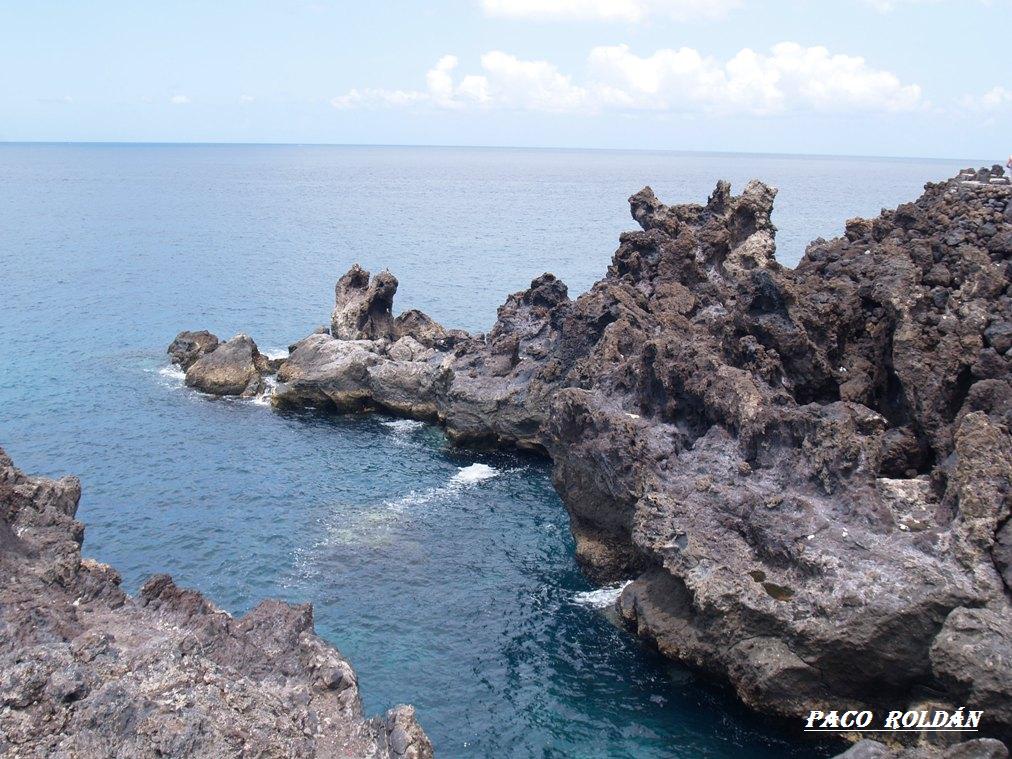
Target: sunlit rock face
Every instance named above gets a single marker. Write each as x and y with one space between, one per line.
87 671
805 472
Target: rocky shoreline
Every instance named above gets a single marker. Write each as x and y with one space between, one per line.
804 472
88 671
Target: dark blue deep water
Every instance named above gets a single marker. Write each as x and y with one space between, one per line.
445 575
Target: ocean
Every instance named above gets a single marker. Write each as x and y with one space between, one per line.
446 575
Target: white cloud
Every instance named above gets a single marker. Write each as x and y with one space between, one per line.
789 77
246 99
994 99
356 98
179 100
888 6
631 11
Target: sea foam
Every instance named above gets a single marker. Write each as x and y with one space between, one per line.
403 426
602 598
274 353
171 376
466 476
263 398
469 475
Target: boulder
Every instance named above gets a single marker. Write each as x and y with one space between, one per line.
235 367
420 327
325 372
189 346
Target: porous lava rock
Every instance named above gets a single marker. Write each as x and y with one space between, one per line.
235 367
88 671
189 346
362 309
978 748
804 472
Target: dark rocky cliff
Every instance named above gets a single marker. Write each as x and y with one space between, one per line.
805 472
87 671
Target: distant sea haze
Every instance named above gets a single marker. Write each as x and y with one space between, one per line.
445 575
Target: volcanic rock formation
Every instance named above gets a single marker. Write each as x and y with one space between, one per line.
805 472
189 346
235 367
977 748
87 671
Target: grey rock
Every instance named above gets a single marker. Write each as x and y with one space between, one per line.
189 346
233 368
972 655
980 748
324 371
420 327
362 309
87 671
803 471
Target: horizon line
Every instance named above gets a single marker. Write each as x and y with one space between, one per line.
287 143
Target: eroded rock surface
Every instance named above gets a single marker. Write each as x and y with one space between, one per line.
189 346
805 472
980 748
87 671
362 309
235 367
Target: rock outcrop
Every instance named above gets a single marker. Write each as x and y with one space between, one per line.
980 748
189 346
87 671
362 309
804 472
235 367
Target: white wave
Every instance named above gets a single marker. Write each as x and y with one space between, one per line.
379 525
470 475
274 353
465 477
403 426
171 376
265 395
173 372
602 598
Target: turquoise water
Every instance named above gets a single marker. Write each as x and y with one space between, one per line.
445 575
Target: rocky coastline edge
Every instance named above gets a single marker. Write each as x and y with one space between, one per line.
802 473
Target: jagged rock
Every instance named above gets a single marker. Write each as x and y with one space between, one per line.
362 309
420 327
973 657
324 371
189 346
235 367
980 748
804 471
87 671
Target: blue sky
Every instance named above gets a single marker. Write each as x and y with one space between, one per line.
870 77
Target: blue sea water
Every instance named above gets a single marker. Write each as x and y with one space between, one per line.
445 575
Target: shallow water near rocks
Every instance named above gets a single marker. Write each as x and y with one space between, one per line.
445 575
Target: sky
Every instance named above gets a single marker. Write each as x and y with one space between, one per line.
926 78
